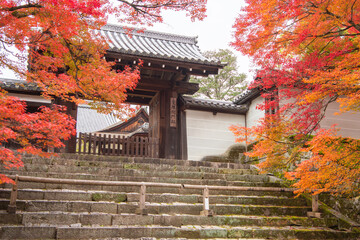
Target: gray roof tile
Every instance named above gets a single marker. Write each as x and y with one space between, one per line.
214 105
147 43
89 120
247 95
18 85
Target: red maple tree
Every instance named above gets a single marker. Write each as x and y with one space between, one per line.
308 52
61 40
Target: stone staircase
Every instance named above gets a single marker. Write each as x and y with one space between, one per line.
66 211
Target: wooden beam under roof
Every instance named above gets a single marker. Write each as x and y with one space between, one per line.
140 93
138 100
170 65
153 84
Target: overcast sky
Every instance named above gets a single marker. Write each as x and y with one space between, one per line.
213 33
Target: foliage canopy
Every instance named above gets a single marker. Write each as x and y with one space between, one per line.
309 52
61 41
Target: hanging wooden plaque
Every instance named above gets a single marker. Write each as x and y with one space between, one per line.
173 112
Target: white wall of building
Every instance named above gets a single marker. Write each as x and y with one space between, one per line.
253 115
209 134
348 122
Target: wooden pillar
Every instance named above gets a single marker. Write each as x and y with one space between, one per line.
154 123
171 136
164 123
183 154
71 110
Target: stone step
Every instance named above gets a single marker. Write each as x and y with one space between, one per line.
106 219
42 194
63 158
85 176
184 232
154 208
144 174
136 189
137 167
239 175
133 165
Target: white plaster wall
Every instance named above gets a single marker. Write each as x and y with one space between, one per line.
253 115
348 122
209 134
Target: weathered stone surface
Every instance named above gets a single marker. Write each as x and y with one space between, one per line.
65 194
350 207
289 233
6 218
86 232
20 232
131 219
44 205
67 211
104 207
96 219
54 219
79 206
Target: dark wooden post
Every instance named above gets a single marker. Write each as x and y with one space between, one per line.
183 154
169 138
13 196
71 110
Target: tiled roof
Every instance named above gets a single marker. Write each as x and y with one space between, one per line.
89 120
213 105
142 129
119 126
153 44
247 95
18 85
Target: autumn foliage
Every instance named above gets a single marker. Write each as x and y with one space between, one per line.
57 45
308 57
33 133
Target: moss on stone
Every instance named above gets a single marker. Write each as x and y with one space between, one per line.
131 166
108 197
96 197
232 155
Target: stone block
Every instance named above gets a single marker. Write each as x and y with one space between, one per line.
126 208
80 206
20 232
67 195
50 218
6 218
86 232
31 194
96 219
36 206
131 219
103 207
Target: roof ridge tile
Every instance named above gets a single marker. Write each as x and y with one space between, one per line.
151 33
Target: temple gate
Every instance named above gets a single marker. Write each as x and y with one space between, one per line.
168 62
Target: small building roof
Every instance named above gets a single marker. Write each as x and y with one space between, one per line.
247 96
89 120
146 43
141 115
19 85
213 105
